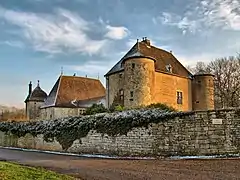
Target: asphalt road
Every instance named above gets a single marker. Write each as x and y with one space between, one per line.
103 169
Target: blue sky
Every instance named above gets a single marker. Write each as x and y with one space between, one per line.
38 37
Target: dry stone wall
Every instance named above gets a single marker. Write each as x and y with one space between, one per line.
201 133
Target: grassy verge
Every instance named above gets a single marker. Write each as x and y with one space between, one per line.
10 171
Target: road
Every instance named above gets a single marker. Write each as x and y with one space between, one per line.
105 169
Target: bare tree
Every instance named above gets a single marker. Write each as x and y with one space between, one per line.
200 67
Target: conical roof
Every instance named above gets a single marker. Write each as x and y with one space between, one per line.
37 95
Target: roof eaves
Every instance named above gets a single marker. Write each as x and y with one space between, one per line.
59 84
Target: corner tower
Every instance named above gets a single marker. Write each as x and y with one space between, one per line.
203 91
139 78
34 101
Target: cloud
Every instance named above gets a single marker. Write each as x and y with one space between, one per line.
55 33
183 23
116 33
205 14
17 44
92 68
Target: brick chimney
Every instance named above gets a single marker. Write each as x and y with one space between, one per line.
30 88
147 41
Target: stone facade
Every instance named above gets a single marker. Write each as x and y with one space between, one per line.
60 112
139 81
148 86
33 110
147 75
203 92
203 133
166 88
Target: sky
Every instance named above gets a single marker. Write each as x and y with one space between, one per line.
87 37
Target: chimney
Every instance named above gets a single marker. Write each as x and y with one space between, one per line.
147 41
30 88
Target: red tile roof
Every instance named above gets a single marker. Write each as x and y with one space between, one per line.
162 59
73 88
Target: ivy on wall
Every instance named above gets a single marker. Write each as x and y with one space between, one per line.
67 130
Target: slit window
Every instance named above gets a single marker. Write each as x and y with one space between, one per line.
131 95
179 97
121 94
133 65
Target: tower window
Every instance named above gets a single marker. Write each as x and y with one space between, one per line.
133 65
121 94
179 97
120 75
131 95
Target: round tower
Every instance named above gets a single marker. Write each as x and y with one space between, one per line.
139 80
34 101
203 91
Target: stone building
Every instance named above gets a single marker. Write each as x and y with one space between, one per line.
147 74
70 96
34 101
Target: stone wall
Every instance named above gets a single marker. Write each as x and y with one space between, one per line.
58 112
202 133
33 110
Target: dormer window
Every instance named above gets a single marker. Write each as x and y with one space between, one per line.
169 68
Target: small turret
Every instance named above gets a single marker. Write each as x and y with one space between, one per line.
34 101
203 91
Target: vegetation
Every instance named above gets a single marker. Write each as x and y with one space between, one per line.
227 81
95 108
9 171
17 115
99 108
67 130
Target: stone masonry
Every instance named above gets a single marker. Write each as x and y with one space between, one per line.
203 133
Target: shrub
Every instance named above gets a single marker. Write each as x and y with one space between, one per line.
95 108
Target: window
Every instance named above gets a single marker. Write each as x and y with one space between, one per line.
120 75
131 95
169 68
179 97
133 65
121 94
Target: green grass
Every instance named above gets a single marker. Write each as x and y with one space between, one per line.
10 171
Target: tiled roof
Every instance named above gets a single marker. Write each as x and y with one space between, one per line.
162 59
69 89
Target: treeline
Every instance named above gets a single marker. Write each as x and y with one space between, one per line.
227 79
17 115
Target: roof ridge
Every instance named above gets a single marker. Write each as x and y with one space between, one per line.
80 77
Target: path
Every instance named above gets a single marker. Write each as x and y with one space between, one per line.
102 169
